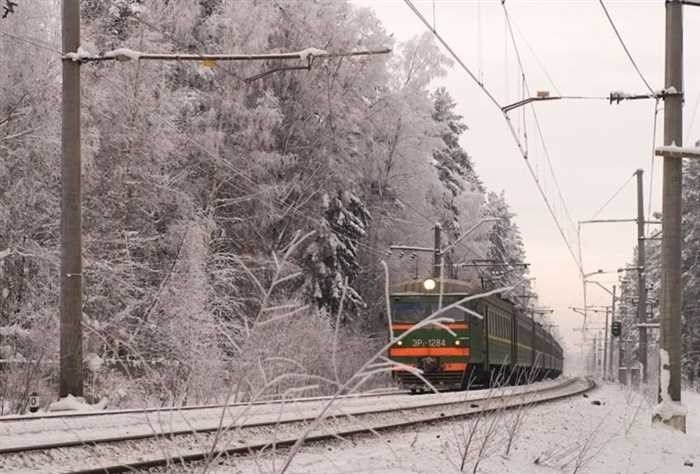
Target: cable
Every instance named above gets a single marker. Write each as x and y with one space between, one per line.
544 148
653 157
517 140
479 42
540 63
624 46
692 118
619 190
452 53
34 42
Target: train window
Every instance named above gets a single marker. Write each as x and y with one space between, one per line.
416 309
412 311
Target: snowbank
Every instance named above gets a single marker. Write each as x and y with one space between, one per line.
71 403
609 431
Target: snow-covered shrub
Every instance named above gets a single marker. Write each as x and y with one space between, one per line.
32 362
298 351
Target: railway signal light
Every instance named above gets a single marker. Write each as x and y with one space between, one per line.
616 328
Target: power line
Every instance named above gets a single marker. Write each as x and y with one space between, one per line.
32 41
452 53
517 140
624 46
618 191
692 117
539 62
653 156
544 148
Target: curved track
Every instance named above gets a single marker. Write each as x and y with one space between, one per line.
152 440
167 409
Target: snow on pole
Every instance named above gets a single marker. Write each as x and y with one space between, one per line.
126 54
667 409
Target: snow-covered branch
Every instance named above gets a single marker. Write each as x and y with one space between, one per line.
126 54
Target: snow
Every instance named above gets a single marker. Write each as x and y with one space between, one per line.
71 403
124 54
572 435
667 409
94 362
81 54
304 54
56 429
678 150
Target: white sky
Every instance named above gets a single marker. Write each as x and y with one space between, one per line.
594 146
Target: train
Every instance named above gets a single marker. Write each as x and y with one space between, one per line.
490 342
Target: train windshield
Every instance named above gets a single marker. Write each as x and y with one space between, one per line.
415 309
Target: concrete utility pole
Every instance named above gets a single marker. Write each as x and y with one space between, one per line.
437 254
671 242
605 344
641 275
611 374
71 345
594 362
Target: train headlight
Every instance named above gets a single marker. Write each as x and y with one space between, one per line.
429 284
399 343
457 342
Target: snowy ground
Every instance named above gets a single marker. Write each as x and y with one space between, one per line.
573 435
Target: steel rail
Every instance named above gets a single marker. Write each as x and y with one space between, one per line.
443 406
335 434
164 434
136 411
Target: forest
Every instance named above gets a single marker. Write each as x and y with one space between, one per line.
235 215
690 277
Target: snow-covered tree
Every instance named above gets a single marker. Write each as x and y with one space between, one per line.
690 257
332 258
505 244
454 165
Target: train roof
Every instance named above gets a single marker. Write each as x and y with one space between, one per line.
446 285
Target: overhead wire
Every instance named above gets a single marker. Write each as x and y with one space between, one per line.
624 46
516 138
545 149
653 157
689 127
614 195
417 12
33 42
539 62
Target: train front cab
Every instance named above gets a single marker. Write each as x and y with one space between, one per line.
442 357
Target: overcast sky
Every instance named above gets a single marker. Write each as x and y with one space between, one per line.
594 147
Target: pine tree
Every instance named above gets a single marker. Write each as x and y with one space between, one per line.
690 267
505 244
332 259
454 165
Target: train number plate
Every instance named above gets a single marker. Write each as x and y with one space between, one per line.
433 342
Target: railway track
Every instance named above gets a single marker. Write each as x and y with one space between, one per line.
240 430
167 409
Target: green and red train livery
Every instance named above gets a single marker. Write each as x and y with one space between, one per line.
501 343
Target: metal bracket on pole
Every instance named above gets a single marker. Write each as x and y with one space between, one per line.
677 151
617 97
520 103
